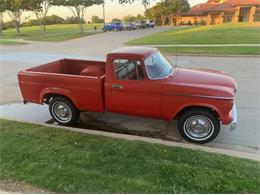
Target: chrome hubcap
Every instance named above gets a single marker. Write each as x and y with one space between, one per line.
198 127
61 112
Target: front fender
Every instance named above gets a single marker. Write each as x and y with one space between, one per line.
174 105
201 105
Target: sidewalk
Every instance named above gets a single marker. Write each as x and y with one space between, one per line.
4 192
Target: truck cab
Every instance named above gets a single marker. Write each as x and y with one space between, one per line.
128 88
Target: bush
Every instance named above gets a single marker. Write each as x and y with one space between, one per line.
203 22
115 20
181 23
189 23
73 20
54 19
35 22
7 25
96 19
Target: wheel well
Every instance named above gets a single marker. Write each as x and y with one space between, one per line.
198 107
47 98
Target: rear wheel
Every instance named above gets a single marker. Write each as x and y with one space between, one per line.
199 126
63 111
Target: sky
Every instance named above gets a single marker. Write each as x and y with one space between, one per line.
113 10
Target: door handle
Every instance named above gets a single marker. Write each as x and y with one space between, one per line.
116 86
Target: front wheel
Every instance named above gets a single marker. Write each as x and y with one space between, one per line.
63 111
199 126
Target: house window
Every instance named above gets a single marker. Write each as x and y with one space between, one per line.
257 17
227 18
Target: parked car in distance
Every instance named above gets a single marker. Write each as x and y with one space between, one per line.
150 23
141 25
129 26
117 26
135 81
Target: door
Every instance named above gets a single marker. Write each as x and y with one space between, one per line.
132 93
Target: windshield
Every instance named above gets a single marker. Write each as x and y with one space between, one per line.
158 67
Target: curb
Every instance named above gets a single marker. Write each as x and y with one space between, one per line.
212 55
233 153
204 45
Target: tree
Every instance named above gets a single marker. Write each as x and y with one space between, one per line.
144 2
72 20
158 12
129 18
15 8
175 8
2 10
96 19
139 18
41 9
115 20
168 9
78 8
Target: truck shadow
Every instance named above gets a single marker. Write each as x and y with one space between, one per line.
130 125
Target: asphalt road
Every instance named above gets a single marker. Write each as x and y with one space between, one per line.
246 71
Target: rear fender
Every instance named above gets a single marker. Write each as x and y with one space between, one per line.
57 91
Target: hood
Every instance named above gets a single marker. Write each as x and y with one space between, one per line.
201 82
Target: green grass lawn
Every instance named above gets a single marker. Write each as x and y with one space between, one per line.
69 162
212 50
240 33
216 34
59 32
10 42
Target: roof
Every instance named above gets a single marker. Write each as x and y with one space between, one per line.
199 9
141 51
219 5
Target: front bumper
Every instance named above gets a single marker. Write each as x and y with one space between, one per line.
233 124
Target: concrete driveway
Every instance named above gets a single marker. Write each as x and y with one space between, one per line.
245 70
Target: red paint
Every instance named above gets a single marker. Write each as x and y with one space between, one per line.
88 84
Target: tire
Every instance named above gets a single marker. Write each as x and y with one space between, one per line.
63 111
199 126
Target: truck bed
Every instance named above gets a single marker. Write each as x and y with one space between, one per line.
82 81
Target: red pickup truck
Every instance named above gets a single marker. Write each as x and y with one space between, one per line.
135 81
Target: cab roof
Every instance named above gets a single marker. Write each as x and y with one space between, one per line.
138 51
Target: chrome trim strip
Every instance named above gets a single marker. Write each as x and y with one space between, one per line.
200 96
233 124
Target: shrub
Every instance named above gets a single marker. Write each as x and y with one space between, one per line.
54 19
35 22
181 23
7 25
73 20
189 23
96 19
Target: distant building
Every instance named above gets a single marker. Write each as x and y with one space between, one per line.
221 11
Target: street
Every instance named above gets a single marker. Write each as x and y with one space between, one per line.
245 70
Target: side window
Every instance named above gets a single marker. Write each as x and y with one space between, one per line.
128 69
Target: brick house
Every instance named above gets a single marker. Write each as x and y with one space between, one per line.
221 11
